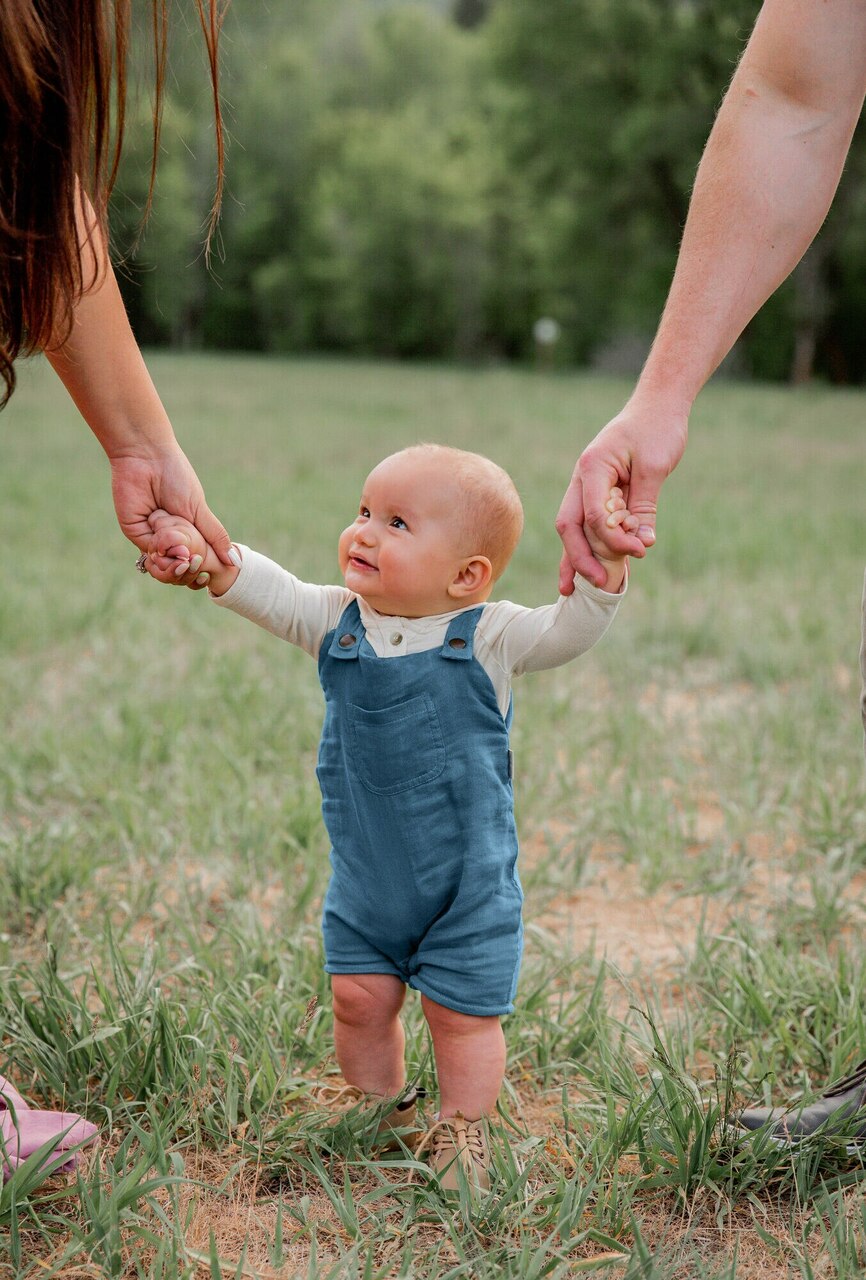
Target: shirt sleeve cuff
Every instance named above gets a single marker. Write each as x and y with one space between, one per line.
241 585
598 593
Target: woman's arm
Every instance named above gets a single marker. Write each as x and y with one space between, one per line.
103 370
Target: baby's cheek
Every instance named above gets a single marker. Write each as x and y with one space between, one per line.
343 547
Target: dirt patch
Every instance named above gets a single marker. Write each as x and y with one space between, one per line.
649 938
684 708
645 936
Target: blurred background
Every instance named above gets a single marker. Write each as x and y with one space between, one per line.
432 178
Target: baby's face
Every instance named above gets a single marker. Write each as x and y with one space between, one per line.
407 542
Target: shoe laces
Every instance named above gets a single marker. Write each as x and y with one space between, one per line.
454 1133
340 1097
857 1077
345 1097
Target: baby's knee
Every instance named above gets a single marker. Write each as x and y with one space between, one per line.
361 1000
449 1022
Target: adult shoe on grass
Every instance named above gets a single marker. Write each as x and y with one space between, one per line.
829 1114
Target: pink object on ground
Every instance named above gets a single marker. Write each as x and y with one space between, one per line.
24 1129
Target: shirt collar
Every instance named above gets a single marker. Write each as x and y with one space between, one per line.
430 622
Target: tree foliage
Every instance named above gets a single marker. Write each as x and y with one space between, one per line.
426 179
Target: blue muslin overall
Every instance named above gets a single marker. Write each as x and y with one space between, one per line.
415 772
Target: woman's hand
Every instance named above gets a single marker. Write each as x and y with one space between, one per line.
163 481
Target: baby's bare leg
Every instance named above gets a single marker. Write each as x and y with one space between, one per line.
470 1059
368 1034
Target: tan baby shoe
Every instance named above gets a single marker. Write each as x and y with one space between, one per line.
458 1149
397 1124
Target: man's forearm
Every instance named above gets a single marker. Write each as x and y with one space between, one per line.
104 372
765 183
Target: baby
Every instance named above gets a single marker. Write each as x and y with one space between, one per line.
415 769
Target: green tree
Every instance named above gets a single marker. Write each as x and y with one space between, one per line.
612 105
160 261
367 190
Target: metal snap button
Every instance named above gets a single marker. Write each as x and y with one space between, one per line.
457 643
396 637
346 641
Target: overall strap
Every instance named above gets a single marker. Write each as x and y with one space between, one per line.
348 633
460 636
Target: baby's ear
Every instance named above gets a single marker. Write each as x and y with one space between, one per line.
473 576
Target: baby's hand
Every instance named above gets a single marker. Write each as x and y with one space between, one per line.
177 549
618 514
179 554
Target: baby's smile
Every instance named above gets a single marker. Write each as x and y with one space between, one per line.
358 562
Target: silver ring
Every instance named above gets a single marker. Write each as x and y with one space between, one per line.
141 562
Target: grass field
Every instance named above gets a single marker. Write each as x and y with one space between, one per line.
690 802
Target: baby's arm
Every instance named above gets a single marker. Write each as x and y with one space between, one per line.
521 639
258 589
177 543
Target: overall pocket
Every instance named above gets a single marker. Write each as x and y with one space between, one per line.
398 747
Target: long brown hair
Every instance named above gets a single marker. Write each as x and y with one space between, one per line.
62 104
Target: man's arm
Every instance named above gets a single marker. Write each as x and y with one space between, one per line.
103 370
766 181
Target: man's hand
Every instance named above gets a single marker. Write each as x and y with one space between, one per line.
163 481
635 452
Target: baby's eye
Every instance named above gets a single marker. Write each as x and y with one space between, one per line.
397 522
364 513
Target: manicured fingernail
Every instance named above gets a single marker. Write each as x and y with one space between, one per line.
646 534
202 579
196 563
235 557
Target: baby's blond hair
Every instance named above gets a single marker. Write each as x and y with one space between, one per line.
492 511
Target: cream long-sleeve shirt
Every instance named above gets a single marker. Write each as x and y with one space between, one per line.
510 639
